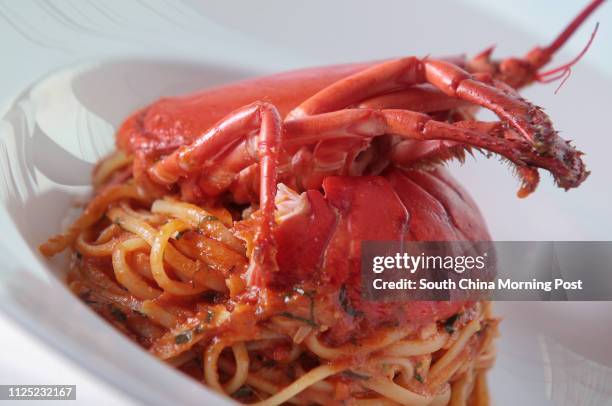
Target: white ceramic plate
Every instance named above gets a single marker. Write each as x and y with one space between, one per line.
51 136
53 132
50 139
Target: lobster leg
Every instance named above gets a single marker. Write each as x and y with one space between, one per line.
351 124
421 98
528 120
380 79
226 134
424 99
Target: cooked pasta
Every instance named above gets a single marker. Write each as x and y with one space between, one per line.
170 275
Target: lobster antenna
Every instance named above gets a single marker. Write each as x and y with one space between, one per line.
564 71
572 27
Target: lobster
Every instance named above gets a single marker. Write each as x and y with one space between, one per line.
337 155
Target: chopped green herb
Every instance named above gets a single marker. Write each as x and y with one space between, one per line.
310 294
418 377
243 392
345 302
210 218
301 291
183 337
199 329
449 324
298 318
355 375
117 314
210 315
